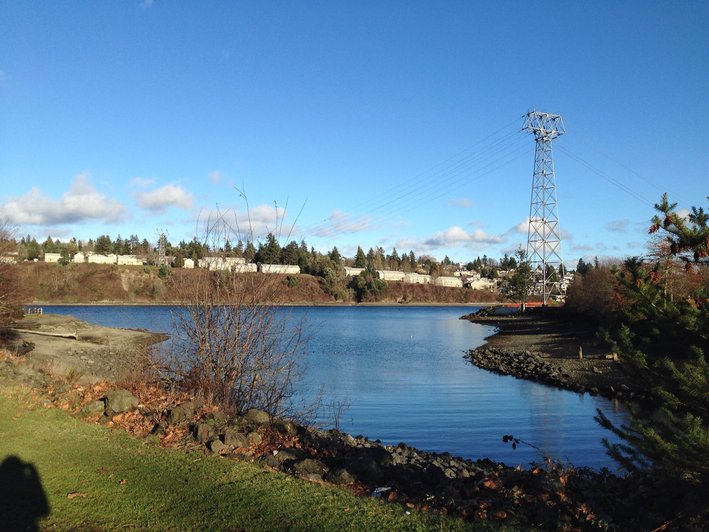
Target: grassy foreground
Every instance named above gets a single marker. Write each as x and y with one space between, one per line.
93 477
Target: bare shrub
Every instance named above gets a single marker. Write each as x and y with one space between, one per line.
236 348
593 294
10 291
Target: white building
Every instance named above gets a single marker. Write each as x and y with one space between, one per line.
52 257
353 272
79 258
417 278
483 284
129 260
188 263
97 258
249 267
449 281
280 268
221 263
391 275
10 257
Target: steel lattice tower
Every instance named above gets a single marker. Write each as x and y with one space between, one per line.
543 240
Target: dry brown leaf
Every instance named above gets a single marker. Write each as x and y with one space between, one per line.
491 484
75 494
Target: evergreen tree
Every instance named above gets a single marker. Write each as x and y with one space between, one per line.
663 343
518 285
360 260
335 256
249 251
270 253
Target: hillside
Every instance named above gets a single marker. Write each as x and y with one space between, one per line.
100 283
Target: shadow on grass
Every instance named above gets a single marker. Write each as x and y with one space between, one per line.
22 498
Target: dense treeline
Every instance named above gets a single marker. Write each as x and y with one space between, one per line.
269 251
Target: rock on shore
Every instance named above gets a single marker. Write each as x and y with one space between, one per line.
590 375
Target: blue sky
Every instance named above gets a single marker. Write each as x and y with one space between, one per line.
393 124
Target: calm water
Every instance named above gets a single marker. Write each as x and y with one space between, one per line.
401 369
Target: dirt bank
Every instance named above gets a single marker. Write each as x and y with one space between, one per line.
544 346
91 352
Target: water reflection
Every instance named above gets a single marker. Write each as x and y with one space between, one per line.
403 372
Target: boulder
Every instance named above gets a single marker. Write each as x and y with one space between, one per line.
270 461
93 408
309 467
118 401
285 427
233 438
341 476
257 417
204 432
216 446
254 438
182 412
284 455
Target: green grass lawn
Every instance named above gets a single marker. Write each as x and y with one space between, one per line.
95 477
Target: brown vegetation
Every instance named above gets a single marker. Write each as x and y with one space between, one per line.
10 289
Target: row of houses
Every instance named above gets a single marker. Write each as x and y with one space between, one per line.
97 258
239 265
409 278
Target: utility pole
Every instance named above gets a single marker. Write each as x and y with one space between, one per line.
543 240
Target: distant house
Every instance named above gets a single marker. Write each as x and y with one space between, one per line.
391 275
97 258
449 281
129 260
249 267
483 284
79 258
221 263
10 257
280 268
353 272
52 257
188 263
417 278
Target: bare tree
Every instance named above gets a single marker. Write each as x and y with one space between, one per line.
236 348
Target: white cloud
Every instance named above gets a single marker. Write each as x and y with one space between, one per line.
215 177
463 203
237 224
167 196
339 223
582 247
142 182
455 235
522 228
617 226
452 237
80 203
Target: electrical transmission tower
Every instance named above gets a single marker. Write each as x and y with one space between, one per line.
543 240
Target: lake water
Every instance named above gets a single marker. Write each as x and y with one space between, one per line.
402 372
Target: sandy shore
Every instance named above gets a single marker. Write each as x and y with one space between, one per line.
555 339
95 353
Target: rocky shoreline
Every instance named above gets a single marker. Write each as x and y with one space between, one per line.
552 349
475 490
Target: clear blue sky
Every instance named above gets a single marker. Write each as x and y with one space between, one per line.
393 124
